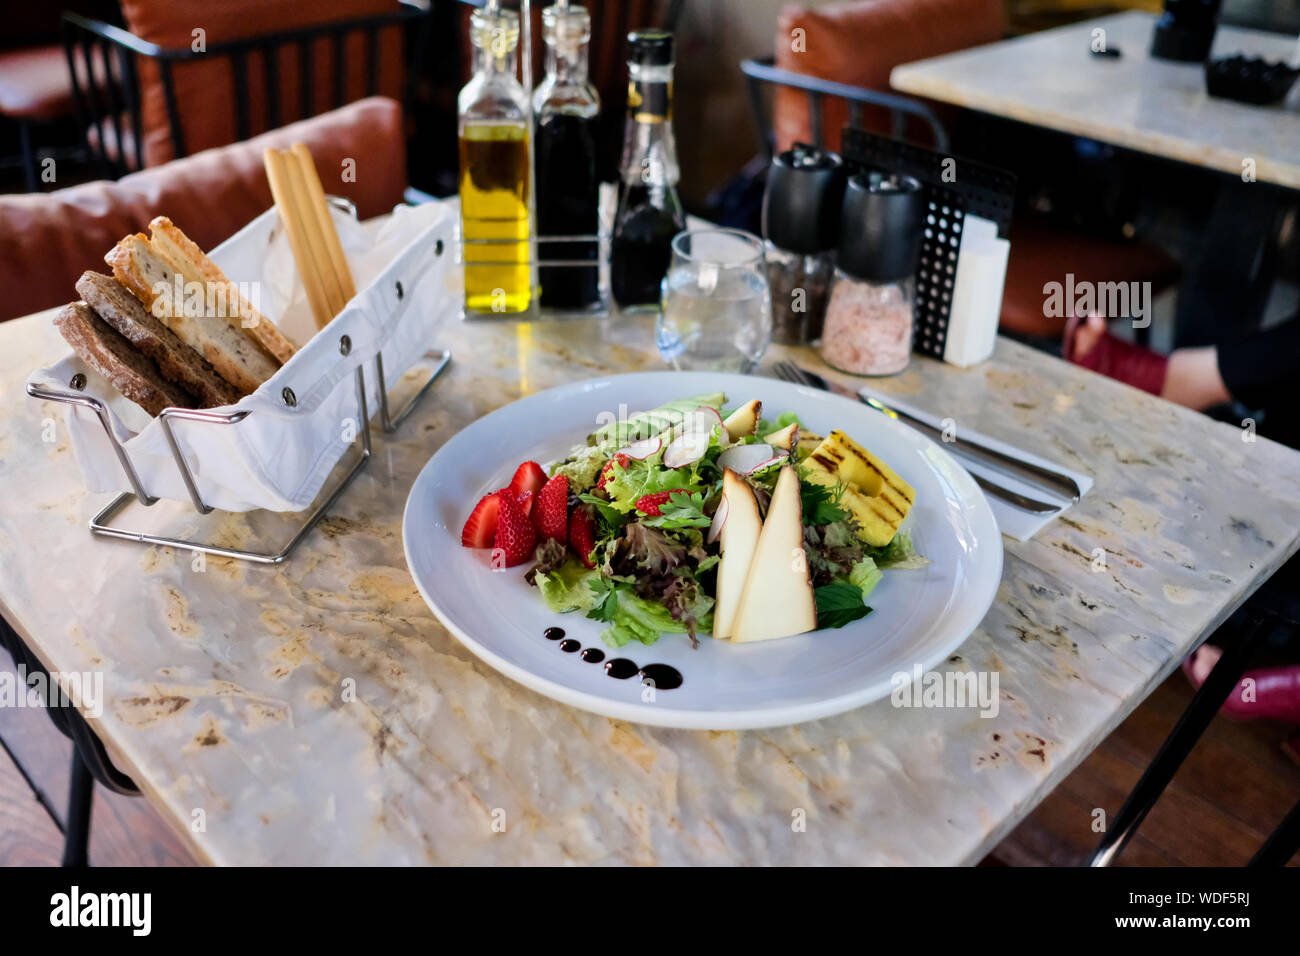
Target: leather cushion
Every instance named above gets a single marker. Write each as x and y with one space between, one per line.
34 84
1042 252
48 239
204 89
859 43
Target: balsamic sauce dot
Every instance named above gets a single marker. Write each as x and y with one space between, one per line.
569 646
553 633
593 655
621 668
663 676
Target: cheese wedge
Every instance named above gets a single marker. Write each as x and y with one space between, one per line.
740 531
743 420
778 597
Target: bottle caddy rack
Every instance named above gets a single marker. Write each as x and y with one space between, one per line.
100 523
533 261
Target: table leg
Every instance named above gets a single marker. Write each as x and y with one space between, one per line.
81 796
1180 742
1282 843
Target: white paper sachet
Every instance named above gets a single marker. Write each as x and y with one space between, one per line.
977 293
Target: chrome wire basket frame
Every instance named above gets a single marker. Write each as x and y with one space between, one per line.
99 524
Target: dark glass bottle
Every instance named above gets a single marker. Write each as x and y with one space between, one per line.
566 106
649 211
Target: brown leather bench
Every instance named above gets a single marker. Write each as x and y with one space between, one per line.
48 239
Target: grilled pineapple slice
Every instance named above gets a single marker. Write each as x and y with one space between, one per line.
876 497
808 442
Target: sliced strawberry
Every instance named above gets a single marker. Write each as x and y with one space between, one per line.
582 534
525 501
481 526
528 477
551 516
650 504
515 539
606 472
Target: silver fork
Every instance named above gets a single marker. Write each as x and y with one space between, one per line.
792 373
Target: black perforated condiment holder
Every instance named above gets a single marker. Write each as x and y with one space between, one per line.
985 191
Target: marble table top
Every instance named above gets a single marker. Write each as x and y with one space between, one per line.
1051 79
317 712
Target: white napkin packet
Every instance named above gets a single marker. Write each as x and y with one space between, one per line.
280 455
977 293
1012 521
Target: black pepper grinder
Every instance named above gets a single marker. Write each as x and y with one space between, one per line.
868 329
801 218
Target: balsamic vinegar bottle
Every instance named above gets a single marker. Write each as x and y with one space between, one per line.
565 107
649 211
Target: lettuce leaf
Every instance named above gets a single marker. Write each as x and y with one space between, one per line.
683 509
898 554
582 470
648 424
865 575
632 618
832 551
626 485
569 587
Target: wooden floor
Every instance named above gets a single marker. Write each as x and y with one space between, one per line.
34 766
1228 796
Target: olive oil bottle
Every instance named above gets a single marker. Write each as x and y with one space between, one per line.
495 173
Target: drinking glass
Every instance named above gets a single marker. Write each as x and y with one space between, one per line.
717 307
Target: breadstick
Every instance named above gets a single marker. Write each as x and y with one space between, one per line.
320 207
277 172
315 238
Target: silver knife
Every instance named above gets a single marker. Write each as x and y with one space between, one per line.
791 372
1015 499
1063 483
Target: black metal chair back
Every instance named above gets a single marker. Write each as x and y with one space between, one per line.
762 72
102 60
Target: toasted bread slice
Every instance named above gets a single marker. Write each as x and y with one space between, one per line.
176 361
152 280
111 356
194 265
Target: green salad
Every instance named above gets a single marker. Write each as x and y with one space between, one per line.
670 542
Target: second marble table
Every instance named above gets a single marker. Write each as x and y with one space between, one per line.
1051 79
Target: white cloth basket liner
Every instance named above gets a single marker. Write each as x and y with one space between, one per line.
279 456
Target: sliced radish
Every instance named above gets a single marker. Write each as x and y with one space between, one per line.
719 519
746 459
777 460
686 449
641 450
703 419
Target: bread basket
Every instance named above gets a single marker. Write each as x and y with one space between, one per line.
275 448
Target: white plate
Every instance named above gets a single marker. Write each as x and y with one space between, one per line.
920 617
